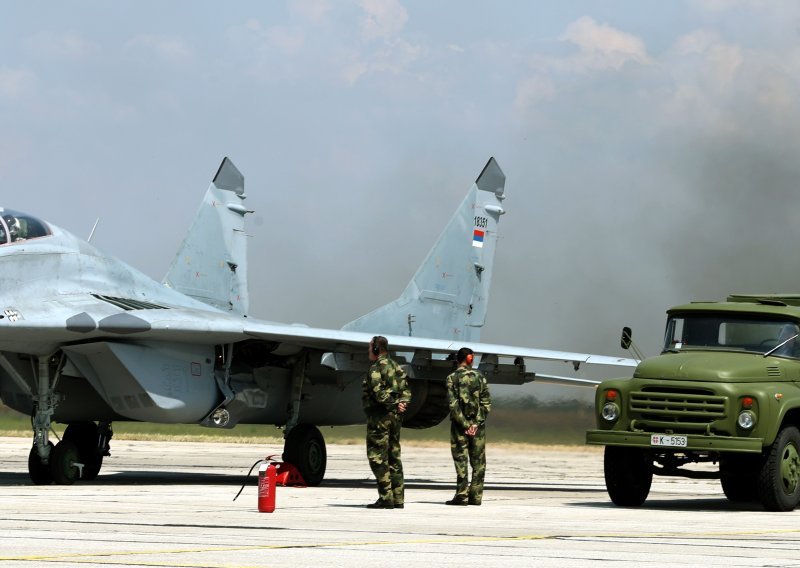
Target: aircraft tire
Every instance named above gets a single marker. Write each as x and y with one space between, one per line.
39 472
779 478
629 474
86 435
304 448
62 460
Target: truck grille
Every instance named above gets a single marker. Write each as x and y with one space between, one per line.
676 410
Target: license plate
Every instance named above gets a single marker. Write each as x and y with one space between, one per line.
668 440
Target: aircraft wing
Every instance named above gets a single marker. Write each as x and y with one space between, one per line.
492 355
209 327
339 340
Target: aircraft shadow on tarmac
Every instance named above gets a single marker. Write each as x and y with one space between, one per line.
141 478
159 477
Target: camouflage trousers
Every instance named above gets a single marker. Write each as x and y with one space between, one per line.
383 453
470 449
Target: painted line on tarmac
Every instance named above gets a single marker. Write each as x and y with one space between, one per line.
96 558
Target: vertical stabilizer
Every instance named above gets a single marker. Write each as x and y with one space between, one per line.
447 297
211 265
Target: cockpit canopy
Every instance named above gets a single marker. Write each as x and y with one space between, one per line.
16 226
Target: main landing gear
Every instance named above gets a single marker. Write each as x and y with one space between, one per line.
304 448
303 445
79 455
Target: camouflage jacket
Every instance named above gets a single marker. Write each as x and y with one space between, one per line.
468 396
384 386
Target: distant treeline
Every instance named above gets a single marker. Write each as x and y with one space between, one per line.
525 419
530 402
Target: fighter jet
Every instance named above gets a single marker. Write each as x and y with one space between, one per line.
86 340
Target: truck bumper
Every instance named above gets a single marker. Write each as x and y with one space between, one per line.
696 442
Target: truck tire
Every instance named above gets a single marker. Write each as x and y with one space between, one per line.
779 478
739 476
629 474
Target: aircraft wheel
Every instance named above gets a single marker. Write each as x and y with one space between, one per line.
39 472
304 448
629 474
779 478
86 436
62 463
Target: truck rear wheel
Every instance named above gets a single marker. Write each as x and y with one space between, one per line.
629 474
779 478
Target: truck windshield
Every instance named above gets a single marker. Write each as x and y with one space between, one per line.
731 333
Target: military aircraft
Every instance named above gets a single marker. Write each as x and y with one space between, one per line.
86 340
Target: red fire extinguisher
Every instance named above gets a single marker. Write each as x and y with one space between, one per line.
267 476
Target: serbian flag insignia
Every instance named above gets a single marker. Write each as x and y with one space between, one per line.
477 238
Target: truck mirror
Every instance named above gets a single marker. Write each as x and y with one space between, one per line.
627 337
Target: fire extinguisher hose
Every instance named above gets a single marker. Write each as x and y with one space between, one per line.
247 477
266 459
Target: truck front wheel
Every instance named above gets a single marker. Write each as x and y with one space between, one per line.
779 478
629 474
739 475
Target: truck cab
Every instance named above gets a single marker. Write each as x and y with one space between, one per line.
724 390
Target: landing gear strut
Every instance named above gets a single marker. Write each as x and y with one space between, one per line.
80 453
303 446
40 467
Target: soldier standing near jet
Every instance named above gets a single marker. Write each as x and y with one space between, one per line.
385 397
468 396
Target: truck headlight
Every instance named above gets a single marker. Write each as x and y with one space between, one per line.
746 420
610 412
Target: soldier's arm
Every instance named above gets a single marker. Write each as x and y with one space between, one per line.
380 382
453 401
485 403
405 393
365 390
486 399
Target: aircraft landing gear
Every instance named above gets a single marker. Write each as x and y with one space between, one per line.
45 401
304 448
80 453
65 464
92 442
38 470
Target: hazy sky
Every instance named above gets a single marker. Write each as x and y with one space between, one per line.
652 149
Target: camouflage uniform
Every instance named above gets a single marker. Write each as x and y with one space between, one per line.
468 396
385 386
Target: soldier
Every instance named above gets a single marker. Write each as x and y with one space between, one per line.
470 402
385 398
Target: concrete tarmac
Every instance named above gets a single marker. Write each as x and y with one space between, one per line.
171 504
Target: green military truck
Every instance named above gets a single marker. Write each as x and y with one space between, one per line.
725 391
